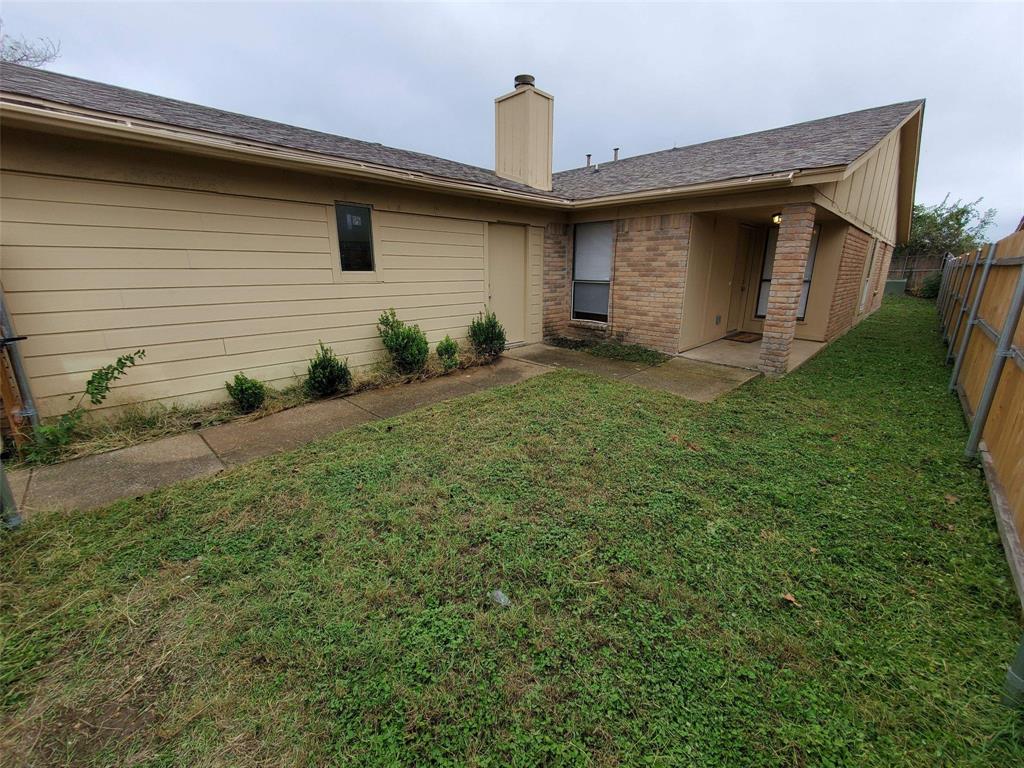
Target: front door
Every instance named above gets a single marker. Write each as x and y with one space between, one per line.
740 277
506 278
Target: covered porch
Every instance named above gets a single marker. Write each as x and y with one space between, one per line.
761 285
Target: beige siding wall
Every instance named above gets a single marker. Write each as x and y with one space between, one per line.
535 283
868 196
211 283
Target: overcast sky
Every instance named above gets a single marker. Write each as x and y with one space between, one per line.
642 77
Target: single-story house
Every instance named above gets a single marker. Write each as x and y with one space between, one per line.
223 243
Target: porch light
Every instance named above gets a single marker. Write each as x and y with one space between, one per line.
776 219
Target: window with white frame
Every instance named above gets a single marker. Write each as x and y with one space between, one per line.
769 264
593 248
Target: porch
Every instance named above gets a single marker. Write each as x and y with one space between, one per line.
738 354
761 286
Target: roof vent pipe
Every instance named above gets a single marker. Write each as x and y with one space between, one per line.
588 159
615 155
525 80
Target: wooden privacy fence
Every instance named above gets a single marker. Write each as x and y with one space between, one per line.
979 307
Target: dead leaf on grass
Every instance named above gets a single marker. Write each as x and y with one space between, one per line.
791 600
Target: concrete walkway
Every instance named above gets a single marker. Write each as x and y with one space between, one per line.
95 481
692 379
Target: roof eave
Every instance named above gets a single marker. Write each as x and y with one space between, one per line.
41 114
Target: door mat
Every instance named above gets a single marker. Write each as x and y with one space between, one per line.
745 336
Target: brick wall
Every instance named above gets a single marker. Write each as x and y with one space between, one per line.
648 280
791 252
847 290
557 278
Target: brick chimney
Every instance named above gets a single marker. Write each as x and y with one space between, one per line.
523 132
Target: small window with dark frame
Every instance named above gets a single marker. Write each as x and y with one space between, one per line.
768 264
355 239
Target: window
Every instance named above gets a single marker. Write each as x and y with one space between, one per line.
593 246
769 264
355 241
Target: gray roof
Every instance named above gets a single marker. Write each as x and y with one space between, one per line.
124 102
815 144
821 143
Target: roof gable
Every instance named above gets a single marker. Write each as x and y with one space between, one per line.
824 143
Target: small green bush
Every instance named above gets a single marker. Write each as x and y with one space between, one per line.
930 286
406 344
49 440
247 393
448 353
327 375
487 335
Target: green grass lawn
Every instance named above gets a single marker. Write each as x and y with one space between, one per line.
330 606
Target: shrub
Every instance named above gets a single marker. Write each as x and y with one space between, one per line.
406 344
49 439
487 335
247 393
448 353
930 286
327 374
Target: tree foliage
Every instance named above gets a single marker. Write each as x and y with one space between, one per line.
27 53
947 228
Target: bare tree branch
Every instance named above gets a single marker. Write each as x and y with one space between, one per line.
27 53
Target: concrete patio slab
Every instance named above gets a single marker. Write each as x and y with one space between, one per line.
743 355
238 442
402 398
95 481
558 357
693 380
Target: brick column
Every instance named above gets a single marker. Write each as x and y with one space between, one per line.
791 252
557 273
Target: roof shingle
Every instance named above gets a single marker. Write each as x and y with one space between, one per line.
816 144
820 143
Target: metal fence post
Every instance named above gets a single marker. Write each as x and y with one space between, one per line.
947 271
1003 352
972 319
954 287
963 305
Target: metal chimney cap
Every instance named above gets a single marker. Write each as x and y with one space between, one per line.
524 80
